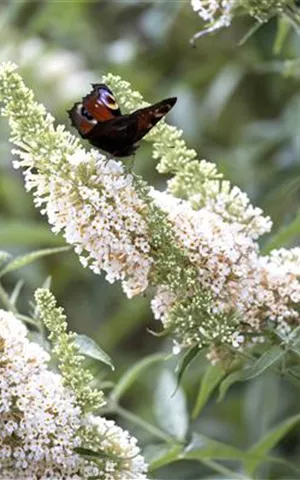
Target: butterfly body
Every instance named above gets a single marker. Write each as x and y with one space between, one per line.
98 119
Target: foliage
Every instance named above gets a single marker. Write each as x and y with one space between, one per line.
238 106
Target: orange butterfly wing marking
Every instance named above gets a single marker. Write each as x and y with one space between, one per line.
99 112
85 126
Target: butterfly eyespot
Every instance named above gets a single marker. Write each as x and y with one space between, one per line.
99 120
85 113
109 101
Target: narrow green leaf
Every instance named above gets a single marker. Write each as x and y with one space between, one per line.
226 472
161 455
104 384
16 292
260 395
184 363
290 341
47 283
23 260
257 368
294 344
4 258
269 441
161 334
252 30
228 381
202 447
89 347
264 362
295 347
29 320
210 380
268 459
206 450
131 375
283 28
170 409
284 236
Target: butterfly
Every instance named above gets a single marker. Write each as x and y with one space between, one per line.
98 119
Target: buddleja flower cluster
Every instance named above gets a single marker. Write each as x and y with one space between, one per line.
41 423
215 13
229 266
195 180
219 13
195 243
91 200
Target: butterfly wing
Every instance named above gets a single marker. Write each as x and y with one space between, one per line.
115 136
101 103
120 135
148 117
98 106
98 118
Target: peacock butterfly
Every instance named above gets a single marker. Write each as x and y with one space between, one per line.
98 119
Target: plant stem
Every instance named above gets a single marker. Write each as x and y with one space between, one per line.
293 17
4 298
221 469
156 432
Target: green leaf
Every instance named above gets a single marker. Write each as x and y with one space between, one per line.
284 236
210 380
16 292
170 409
160 455
269 441
252 30
257 368
47 283
261 395
294 345
202 447
226 472
290 341
283 28
23 260
29 320
90 348
131 375
4 258
184 363
206 450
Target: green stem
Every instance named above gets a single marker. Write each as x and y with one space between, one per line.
291 376
221 469
28 320
131 417
293 17
4 298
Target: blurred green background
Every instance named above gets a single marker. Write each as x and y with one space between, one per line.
238 106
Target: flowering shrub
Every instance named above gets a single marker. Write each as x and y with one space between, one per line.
200 252
219 13
41 421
